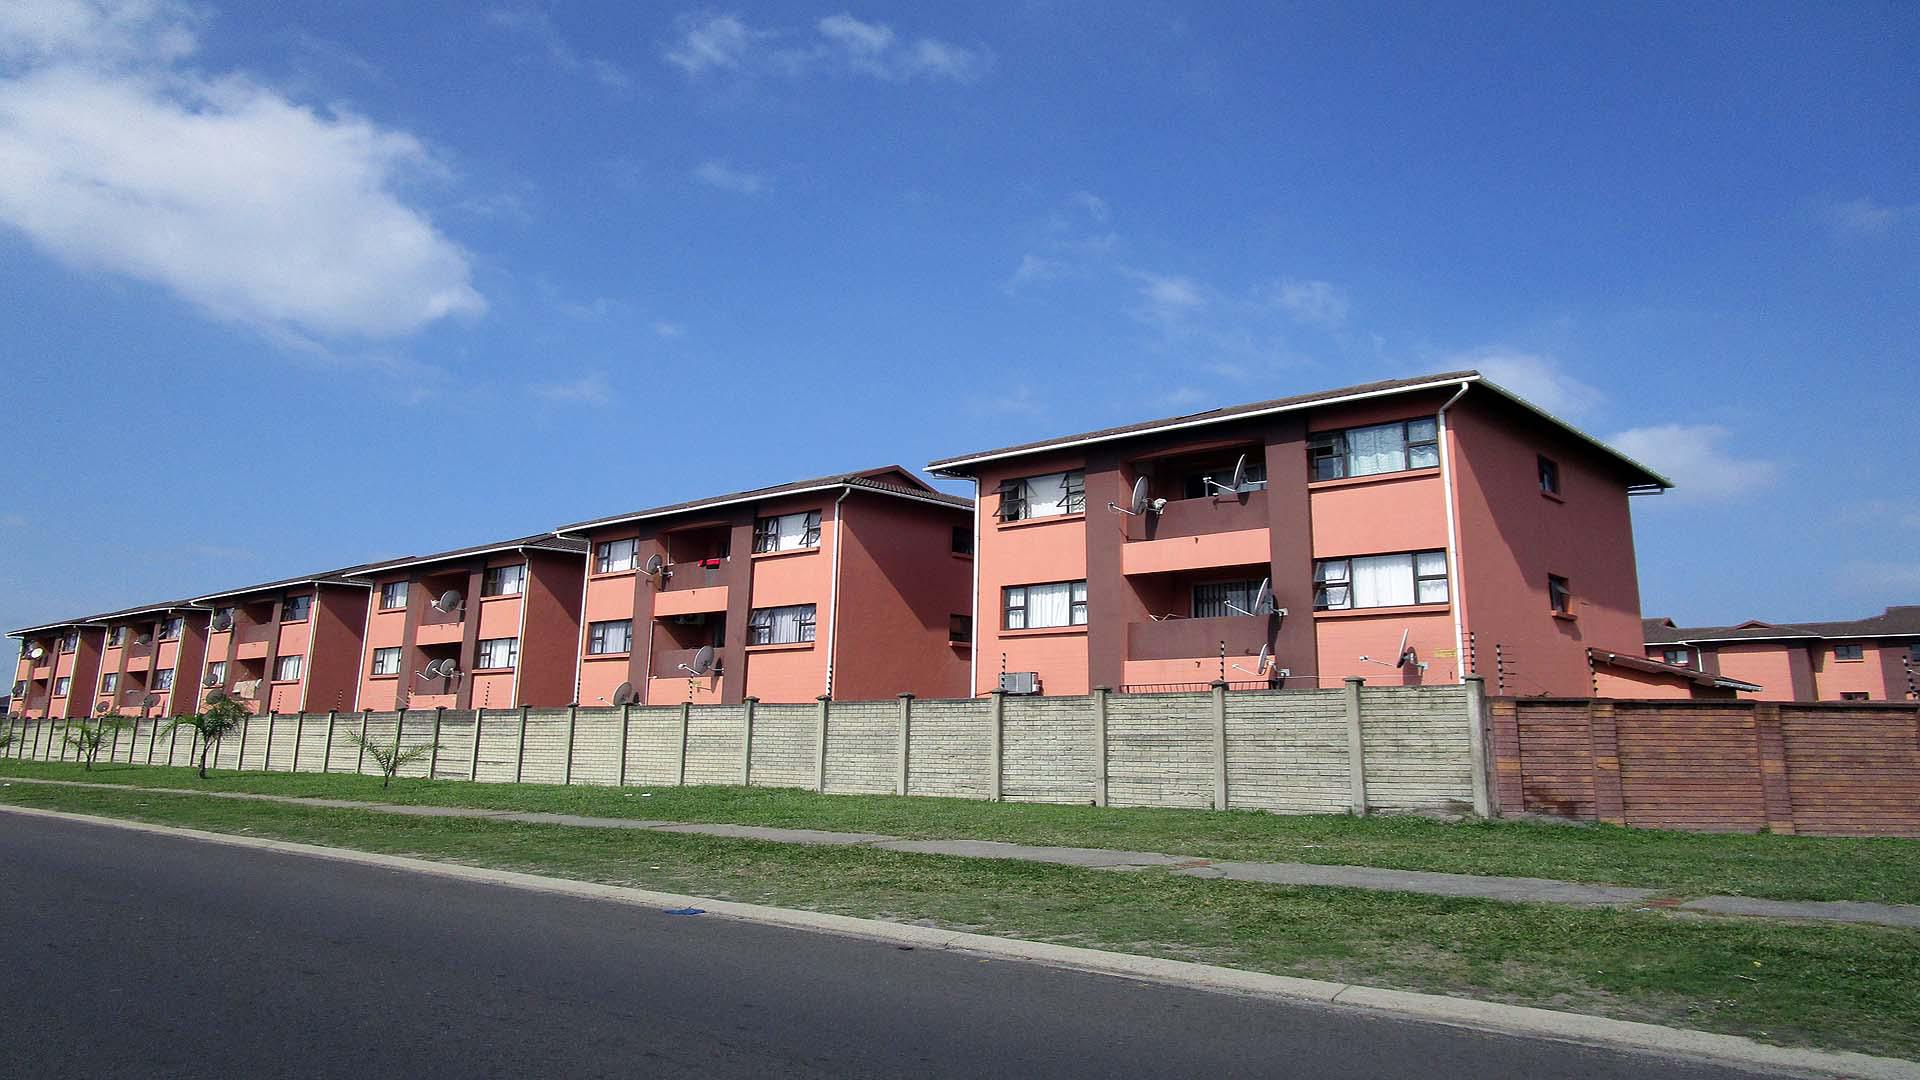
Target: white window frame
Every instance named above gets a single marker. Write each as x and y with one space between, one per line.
607 560
398 591
390 654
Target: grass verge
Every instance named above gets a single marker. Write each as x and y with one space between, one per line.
1682 864
1837 987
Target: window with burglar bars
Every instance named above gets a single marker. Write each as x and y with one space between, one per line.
386 661
393 595
1372 581
504 580
788 532
1051 495
612 636
1378 448
1034 607
780 625
497 653
1212 601
615 556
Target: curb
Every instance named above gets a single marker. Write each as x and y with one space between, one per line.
1520 1020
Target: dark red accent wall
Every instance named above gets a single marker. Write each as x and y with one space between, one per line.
339 630
551 637
900 584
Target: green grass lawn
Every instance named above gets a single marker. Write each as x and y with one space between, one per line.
1833 986
1683 864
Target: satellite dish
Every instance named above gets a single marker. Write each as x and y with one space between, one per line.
1405 655
101 709
449 601
150 701
1265 661
1262 601
1139 502
36 653
623 694
1240 474
212 680
702 662
222 622
143 639
216 695
433 670
449 669
655 565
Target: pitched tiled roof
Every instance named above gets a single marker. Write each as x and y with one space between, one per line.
1897 621
960 464
538 542
865 480
329 577
1693 675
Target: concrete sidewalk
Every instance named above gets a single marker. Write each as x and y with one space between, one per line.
1508 889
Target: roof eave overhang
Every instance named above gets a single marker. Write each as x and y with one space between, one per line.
932 499
276 587
428 560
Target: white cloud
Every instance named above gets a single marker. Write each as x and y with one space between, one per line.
538 25
589 389
1865 217
1695 458
1095 206
720 175
1167 298
707 41
1032 270
665 329
873 49
1318 302
1534 377
115 157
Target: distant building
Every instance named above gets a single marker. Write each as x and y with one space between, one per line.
1872 659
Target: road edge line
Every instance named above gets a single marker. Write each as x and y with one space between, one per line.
1523 1020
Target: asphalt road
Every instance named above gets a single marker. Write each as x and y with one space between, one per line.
127 954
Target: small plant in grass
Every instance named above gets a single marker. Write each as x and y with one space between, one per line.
389 756
218 719
88 736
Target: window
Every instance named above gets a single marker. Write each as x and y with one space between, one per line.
1549 476
614 636
1369 451
1224 598
116 637
1850 652
780 625
1051 495
218 669
1032 607
170 629
1913 654
286 669
296 609
615 556
163 679
1853 695
222 618
393 595
1559 595
109 682
500 652
504 580
1201 485
1372 581
1677 657
963 539
70 641
63 686
386 661
788 532
960 629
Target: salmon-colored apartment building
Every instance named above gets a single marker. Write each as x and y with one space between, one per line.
149 659
488 627
1872 659
1493 537
58 670
855 586
286 646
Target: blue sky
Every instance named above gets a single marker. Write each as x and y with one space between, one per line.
268 269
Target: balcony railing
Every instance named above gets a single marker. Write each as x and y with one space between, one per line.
698 574
666 664
1187 639
433 616
1200 517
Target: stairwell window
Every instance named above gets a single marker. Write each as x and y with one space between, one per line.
616 556
286 669
780 625
393 595
499 654
63 686
788 532
1371 581
386 661
296 609
163 679
504 580
1051 495
1376 449
1035 607
1559 595
612 636
1549 477
1850 652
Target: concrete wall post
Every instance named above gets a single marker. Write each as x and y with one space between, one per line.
299 729
1356 745
820 745
996 743
1219 688
520 749
566 772
626 721
473 758
1476 688
680 744
746 740
906 738
433 751
1100 745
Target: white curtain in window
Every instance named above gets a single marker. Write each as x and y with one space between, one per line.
788 623
1049 605
790 532
1378 449
1046 495
1383 581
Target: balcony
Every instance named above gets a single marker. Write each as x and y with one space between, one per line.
697 601
666 664
1201 517
1246 547
1185 639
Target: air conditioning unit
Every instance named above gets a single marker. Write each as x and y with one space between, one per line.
1020 682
